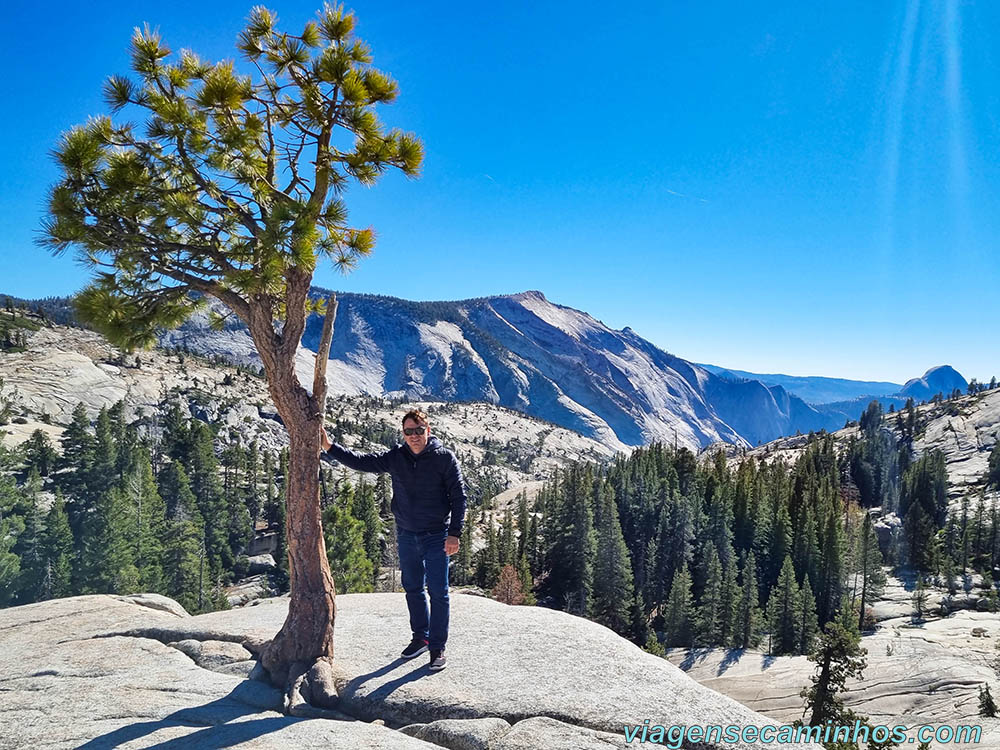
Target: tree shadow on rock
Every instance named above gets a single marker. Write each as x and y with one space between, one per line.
218 719
360 705
694 655
733 656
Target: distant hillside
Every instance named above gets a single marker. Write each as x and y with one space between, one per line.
814 389
526 353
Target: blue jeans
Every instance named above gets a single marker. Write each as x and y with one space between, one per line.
422 561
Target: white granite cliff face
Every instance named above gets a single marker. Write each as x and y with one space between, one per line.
526 353
66 366
134 672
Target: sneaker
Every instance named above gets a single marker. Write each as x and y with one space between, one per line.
417 646
438 661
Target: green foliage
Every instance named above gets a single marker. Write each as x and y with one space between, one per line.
677 617
838 657
350 566
234 185
613 591
784 612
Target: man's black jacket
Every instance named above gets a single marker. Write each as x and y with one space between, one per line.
427 487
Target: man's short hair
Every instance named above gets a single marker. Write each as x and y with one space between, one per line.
415 415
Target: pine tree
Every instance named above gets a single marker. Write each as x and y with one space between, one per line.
77 458
207 489
367 513
870 568
350 566
488 562
808 624
838 657
523 524
831 578
508 544
527 582
39 453
183 564
709 623
748 622
613 591
30 547
919 599
783 611
108 566
993 465
571 541
174 489
58 551
677 617
730 600
146 521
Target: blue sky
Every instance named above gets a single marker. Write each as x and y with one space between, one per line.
770 187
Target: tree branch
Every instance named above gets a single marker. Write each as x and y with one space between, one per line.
323 356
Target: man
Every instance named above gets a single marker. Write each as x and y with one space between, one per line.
428 501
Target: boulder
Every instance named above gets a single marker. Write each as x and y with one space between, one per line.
461 734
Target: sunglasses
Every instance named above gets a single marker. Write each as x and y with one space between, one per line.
413 431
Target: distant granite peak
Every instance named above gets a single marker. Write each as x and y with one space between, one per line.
941 379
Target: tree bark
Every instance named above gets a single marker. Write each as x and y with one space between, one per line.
300 657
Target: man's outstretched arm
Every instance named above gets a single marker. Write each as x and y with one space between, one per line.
373 462
456 495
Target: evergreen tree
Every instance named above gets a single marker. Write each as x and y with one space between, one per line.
571 541
993 465
488 563
838 657
58 551
77 459
677 617
832 572
808 622
207 489
108 567
748 622
39 453
184 564
613 592
870 571
30 546
345 544
527 582
508 544
146 521
523 524
919 599
730 600
709 622
367 513
783 611
174 489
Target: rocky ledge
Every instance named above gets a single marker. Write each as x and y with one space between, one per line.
133 672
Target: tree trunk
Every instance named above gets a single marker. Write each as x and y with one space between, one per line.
307 634
300 657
